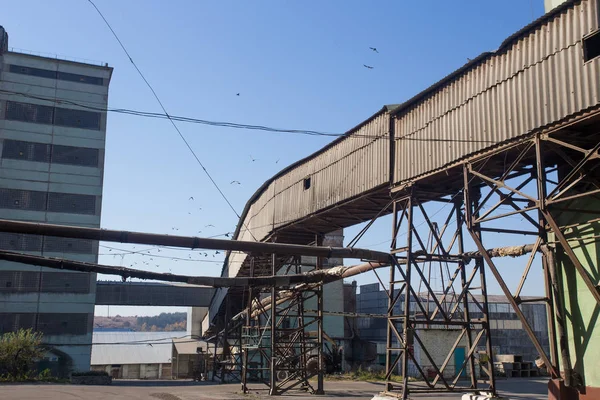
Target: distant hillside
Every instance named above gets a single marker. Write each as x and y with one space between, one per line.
163 322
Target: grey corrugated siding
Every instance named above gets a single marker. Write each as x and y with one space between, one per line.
539 80
351 167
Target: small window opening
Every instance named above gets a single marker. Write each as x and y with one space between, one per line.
591 46
307 183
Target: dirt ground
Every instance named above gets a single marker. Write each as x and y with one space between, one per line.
514 389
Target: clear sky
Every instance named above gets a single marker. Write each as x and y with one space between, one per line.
294 64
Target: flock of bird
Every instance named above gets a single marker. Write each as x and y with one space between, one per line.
374 50
191 198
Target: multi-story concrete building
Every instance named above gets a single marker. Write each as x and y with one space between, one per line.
52 137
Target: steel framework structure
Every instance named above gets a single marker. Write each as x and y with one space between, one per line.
537 179
281 341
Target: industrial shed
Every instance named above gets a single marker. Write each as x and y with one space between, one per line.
189 356
133 355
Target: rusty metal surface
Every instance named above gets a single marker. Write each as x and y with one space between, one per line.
537 79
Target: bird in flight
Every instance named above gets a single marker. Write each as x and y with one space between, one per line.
227 234
374 49
277 161
209 226
252 158
191 198
235 182
367 66
237 94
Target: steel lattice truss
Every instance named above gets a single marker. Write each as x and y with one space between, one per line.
536 179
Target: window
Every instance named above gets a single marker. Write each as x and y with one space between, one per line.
19 281
591 46
23 199
307 183
54 244
57 154
60 324
20 242
92 80
72 203
70 155
77 118
63 76
27 151
47 201
11 322
65 282
42 73
39 114
29 112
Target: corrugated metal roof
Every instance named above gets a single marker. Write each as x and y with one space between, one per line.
117 348
537 78
187 346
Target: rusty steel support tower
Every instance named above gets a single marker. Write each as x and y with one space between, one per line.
535 180
281 342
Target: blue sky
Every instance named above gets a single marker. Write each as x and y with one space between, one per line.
295 64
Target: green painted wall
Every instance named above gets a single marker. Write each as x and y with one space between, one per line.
581 310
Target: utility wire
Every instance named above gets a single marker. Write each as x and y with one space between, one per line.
235 125
170 119
148 114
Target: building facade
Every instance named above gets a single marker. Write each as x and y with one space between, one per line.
52 139
508 336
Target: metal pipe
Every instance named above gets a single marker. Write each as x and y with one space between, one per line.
241 282
108 235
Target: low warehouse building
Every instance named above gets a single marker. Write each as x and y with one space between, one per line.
190 358
133 355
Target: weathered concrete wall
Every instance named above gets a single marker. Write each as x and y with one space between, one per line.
438 343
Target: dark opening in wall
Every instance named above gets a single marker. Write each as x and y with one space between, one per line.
307 183
591 46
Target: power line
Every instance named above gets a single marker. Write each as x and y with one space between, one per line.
170 119
235 125
147 114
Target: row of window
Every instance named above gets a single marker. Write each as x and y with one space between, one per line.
63 76
50 244
45 282
32 200
36 113
50 153
48 324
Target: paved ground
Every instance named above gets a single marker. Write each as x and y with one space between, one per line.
518 389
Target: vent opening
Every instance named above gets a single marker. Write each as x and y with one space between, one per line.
591 46
307 183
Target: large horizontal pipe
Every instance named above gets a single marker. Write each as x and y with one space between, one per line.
108 235
277 280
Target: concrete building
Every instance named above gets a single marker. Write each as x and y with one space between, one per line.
508 336
52 138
